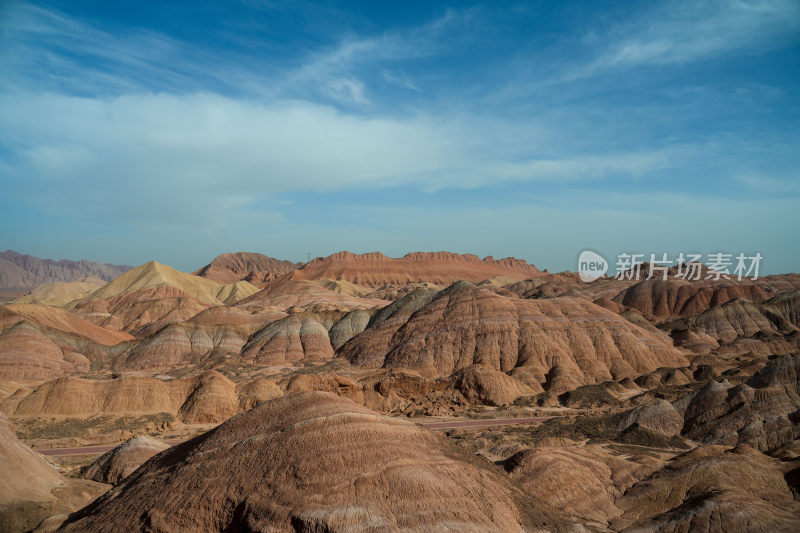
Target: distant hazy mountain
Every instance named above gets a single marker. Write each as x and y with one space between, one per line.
18 271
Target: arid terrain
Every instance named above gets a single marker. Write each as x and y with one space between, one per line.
431 392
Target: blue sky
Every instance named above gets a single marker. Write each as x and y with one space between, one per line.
132 131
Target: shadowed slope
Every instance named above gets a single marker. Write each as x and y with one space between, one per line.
313 462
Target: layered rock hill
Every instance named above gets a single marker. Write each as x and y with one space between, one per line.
662 299
245 266
117 464
376 270
761 413
711 489
40 342
205 399
314 462
20 271
153 295
286 294
154 274
744 318
554 344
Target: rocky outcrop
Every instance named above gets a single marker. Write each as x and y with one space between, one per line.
20 271
314 462
245 266
557 344
484 386
585 481
710 489
117 464
761 413
671 298
442 268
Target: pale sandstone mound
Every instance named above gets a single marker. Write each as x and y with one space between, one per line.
153 274
60 293
442 268
662 299
583 481
117 464
709 489
558 344
288 340
245 266
208 398
26 272
760 413
313 462
41 342
344 287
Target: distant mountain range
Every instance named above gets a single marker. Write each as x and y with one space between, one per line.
25 272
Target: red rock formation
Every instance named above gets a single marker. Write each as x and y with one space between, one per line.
245 266
558 343
443 268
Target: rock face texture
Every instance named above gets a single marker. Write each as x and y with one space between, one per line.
285 294
709 489
313 462
20 271
554 344
443 268
208 398
585 482
117 464
662 299
41 342
288 340
760 413
245 266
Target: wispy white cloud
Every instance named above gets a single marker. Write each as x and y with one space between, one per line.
686 31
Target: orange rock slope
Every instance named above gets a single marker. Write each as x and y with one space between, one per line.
376 270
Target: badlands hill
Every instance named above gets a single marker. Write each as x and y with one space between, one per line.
441 268
42 342
245 266
60 293
20 271
117 464
153 295
314 462
554 344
